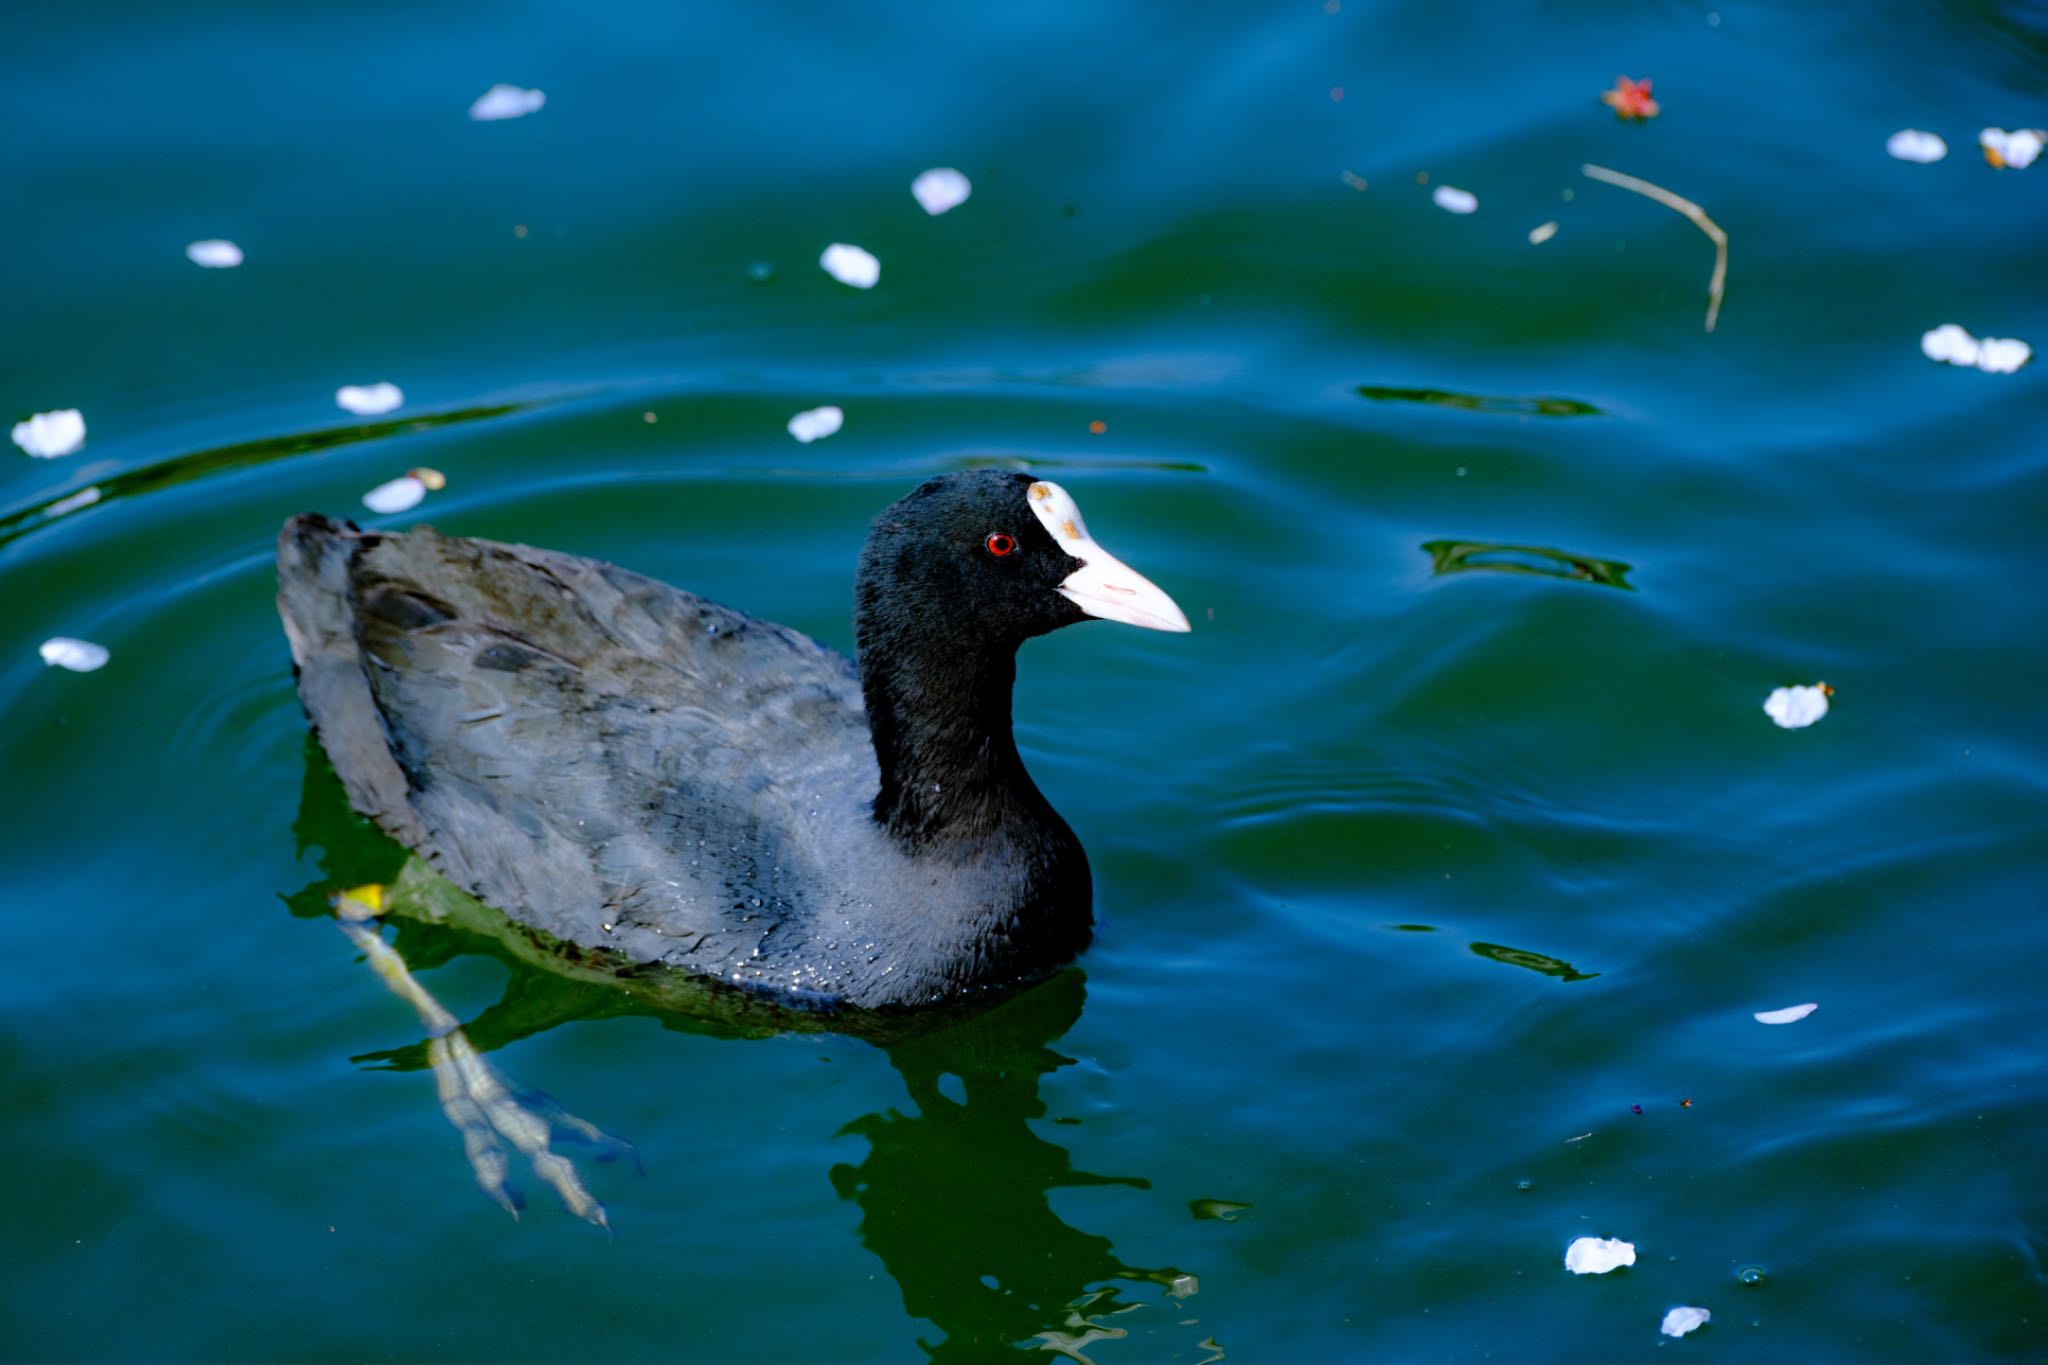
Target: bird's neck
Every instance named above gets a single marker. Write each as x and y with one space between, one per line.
940 718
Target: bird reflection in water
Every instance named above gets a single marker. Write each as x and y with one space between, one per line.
953 1197
953 1192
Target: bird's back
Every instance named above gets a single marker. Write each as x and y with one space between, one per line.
612 761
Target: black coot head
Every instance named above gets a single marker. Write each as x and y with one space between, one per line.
999 555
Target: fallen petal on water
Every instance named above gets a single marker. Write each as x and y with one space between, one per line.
1679 1321
214 253
2002 355
1542 233
80 656
2016 150
1795 708
815 424
50 434
506 101
1951 344
941 188
369 400
851 265
400 495
1910 144
1630 99
1598 1255
1791 1014
1453 200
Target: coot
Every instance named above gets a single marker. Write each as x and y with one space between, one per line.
653 778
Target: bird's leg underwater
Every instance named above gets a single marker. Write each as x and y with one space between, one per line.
476 1098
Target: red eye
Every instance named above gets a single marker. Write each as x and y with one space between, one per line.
1000 544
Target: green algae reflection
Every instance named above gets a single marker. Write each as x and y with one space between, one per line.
1464 556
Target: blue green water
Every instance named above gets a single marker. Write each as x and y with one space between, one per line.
1413 882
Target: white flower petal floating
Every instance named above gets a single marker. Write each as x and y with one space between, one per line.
1910 144
400 495
851 265
506 101
1791 1014
369 400
1679 1321
2002 355
1795 708
1542 233
2017 149
1993 355
939 189
214 253
1598 1255
80 656
816 424
50 434
1949 343
1453 200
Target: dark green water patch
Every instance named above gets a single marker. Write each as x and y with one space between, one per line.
1479 402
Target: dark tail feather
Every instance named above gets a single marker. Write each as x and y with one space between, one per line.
316 597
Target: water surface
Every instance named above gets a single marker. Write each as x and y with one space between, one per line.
1452 835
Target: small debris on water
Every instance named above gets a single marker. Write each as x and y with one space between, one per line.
1453 200
940 189
79 656
1542 233
1791 1014
506 101
369 400
50 434
1795 708
2002 355
815 424
1598 1255
1679 1321
1630 99
1910 144
402 494
2015 150
851 265
1954 345
214 253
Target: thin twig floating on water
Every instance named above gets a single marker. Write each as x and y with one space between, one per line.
1690 210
